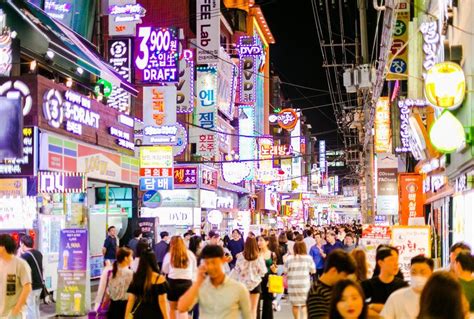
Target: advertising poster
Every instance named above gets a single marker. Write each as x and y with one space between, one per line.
208 30
71 293
73 249
411 241
410 188
372 237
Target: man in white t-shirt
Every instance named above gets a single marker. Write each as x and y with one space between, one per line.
308 239
405 303
15 280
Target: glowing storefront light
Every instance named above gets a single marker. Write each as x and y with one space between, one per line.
447 133
445 85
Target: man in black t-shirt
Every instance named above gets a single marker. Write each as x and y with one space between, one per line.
339 265
35 260
110 245
378 289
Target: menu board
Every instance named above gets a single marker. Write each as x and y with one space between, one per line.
372 237
410 242
72 272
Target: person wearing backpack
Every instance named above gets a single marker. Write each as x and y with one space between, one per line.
34 258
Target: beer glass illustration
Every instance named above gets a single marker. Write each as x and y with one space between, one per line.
77 301
65 259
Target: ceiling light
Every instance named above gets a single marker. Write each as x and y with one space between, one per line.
33 65
69 82
49 55
79 70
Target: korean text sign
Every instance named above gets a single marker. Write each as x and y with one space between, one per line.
156 54
410 242
208 31
411 196
372 237
383 131
159 115
185 176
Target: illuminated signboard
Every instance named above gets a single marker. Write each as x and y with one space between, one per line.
226 82
15 89
5 54
265 172
383 132
123 138
235 172
73 109
157 54
120 58
286 119
26 164
246 132
208 31
279 150
399 65
156 156
60 10
431 43
205 113
156 168
185 85
322 157
55 182
404 106
185 176
159 115
124 15
248 70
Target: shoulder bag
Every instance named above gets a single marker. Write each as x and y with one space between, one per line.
46 296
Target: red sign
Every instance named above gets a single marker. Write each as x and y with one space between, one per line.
185 176
376 231
287 119
156 172
410 187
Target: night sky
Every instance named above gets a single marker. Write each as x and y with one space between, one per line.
296 56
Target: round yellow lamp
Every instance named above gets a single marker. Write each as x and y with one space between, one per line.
447 133
445 85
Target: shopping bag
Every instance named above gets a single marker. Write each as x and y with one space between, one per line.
275 284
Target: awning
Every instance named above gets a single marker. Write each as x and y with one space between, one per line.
231 187
39 33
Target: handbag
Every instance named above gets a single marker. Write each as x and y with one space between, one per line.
103 308
275 284
45 295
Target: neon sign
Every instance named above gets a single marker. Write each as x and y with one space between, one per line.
431 39
248 70
279 150
157 54
286 119
127 12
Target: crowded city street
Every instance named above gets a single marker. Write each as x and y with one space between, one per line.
226 159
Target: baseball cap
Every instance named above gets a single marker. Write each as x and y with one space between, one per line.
213 234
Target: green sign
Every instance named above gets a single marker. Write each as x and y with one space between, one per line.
107 87
71 294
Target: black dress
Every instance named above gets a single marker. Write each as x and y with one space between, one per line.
148 307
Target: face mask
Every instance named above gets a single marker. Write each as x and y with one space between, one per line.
418 282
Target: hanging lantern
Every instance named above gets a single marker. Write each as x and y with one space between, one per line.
445 85
447 133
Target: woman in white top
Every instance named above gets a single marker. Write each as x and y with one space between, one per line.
180 267
249 269
119 280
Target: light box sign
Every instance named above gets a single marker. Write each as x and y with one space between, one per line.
27 163
159 115
61 10
226 81
120 58
205 113
208 178
185 85
124 17
156 183
247 70
157 54
185 176
246 141
235 171
382 128
399 65
156 156
387 184
55 182
265 173
322 158
177 216
411 197
5 54
12 132
208 31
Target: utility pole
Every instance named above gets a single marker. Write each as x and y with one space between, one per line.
367 199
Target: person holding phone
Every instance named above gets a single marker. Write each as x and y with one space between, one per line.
213 284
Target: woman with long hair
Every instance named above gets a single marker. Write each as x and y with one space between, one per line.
299 267
270 261
180 267
142 245
119 281
443 298
283 253
249 270
360 258
147 292
347 301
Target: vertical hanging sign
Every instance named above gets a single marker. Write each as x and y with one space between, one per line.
399 62
410 187
382 126
208 20
120 58
248 53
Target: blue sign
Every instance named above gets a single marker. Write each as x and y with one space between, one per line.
156 183
151 199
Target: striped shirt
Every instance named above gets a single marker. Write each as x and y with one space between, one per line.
319 300
298 269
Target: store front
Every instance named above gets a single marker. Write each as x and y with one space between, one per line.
463 208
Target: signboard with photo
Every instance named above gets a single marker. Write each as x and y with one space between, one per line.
372 237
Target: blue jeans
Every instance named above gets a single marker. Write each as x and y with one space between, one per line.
32 305
280 271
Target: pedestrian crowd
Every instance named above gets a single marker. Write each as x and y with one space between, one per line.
321 271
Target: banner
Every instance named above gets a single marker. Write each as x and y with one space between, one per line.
387 186
411 241
410 188
120 58
159 115
72 272
399 63
383 132
205 113
372 237
208 30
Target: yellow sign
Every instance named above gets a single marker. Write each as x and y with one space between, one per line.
382 126
12 187
156 157
399 62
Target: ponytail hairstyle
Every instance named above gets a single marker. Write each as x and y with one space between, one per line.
122 253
